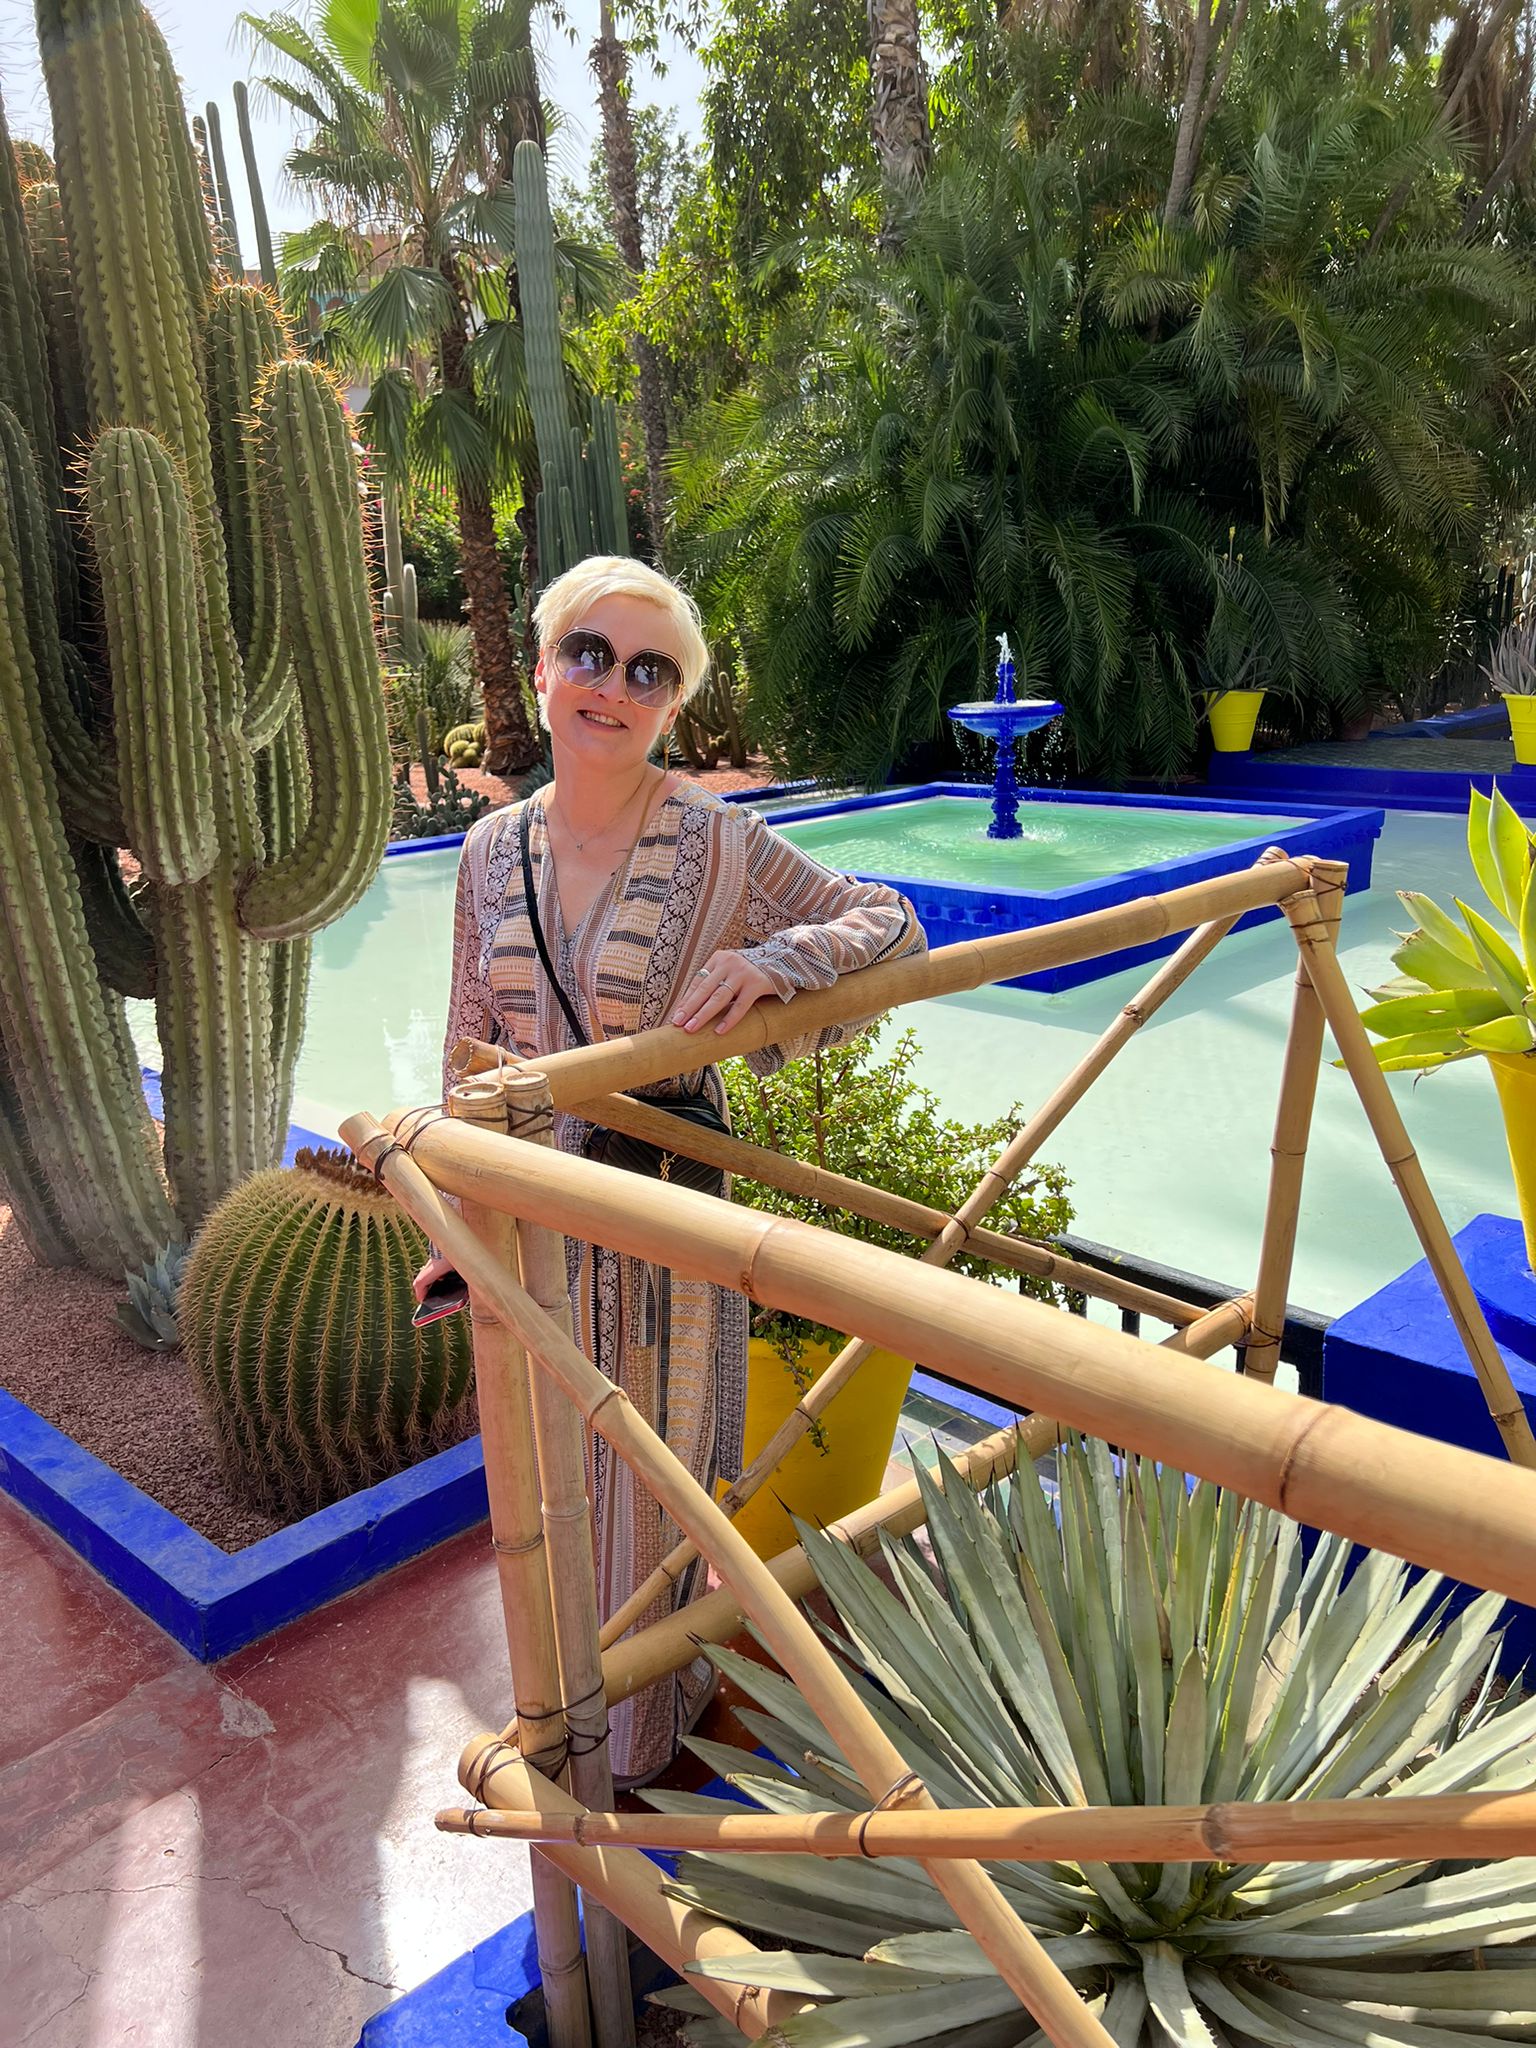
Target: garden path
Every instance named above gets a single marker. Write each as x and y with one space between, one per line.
195 1857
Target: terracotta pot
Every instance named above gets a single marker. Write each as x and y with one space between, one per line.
860 1429
1233 716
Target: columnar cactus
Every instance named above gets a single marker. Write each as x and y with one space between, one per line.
207 697
295 1315
581 507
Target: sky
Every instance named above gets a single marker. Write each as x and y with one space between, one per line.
211 53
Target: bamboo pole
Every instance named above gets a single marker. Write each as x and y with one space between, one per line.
628 1884
1467 1826
560 1442
960 1232
621 1063
667 1645
1431 1503
1227 1323
1327 977
1010 1947
517 1539
642 1119
1293 1124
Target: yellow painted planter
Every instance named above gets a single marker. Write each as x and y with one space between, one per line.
860 1427
1522 730
1233 716
1514 1075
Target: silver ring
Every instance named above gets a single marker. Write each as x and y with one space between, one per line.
703 975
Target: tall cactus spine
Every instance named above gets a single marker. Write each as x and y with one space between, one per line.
214 128
265 261
192 721
581 506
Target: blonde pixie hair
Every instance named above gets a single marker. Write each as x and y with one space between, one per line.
566 599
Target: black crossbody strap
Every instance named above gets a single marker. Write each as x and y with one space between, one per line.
530 897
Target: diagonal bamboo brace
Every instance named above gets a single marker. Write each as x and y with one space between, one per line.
1376 1098
960 1232
1014 1952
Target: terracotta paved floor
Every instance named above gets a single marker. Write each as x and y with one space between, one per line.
219 1857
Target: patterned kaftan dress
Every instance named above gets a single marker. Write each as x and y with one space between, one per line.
704 876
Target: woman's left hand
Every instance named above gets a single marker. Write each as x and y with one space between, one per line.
724 988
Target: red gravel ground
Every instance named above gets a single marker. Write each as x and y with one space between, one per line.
62 1352
756 775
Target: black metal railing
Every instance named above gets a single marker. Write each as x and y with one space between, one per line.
1301 1342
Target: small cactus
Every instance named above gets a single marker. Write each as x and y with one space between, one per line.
149 1313
295 1312
465 745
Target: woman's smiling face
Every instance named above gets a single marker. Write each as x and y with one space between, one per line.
600 727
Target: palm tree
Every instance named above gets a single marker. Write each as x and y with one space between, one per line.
410 107
1149 450
899 103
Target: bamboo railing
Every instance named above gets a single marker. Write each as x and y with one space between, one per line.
1432 1504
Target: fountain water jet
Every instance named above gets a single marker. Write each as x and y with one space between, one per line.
1001 721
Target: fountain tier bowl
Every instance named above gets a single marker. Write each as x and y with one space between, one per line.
1079 850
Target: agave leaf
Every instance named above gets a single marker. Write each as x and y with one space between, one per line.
1125 2011
1364 2029
1101 1674
683 1998
1480 848
1427 961
1169 1995
1225 1769
1438 924
1419 1048
773 1691
1527 929
766 1910
1437 1991
1471 1761
906 2017
1504 1034
955 1953
1184 1761
812 1976
1493 1902
1434 1009
1242 2007
1146 1628
1509 852
727 1762
837 1786
1502 964
1038 1538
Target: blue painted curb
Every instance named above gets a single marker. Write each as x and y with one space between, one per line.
1270 779
951 913
210 1601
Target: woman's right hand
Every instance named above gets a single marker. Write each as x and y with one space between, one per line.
433 1270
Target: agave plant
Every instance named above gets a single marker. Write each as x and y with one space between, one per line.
1139 1640
1512 665
1466 987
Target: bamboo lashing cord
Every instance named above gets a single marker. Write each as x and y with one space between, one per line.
585 1072
1321 962
1014 1952
1459 1827
959 1233
629 1885
1455 1511
560 1447
517 1539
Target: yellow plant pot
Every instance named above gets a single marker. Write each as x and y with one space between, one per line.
1514 1075
1233 716
860 1429
1522 730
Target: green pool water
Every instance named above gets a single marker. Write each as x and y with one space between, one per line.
1169 1152
944 839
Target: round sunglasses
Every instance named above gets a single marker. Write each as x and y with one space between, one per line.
586 660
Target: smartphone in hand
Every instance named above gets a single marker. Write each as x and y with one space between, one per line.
445 1297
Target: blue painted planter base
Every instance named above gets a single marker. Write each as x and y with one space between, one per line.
1397 1358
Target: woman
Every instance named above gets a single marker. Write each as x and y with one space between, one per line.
658 903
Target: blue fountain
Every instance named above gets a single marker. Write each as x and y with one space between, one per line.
1001 721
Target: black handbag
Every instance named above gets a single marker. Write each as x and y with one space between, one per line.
616 1148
